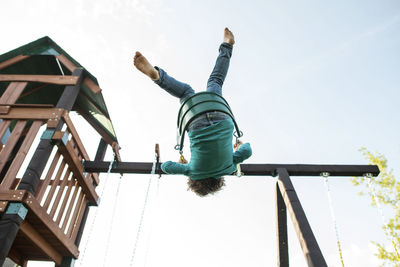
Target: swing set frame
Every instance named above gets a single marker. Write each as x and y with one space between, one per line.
286 198
35 225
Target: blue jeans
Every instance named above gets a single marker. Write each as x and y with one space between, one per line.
214 84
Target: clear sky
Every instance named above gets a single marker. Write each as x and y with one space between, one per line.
309 82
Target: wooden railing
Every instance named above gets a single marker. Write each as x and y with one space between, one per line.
58 205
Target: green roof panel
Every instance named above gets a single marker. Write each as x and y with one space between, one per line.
42 61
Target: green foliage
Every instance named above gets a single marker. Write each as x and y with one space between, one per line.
384 191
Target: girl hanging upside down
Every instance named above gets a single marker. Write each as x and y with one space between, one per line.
210 134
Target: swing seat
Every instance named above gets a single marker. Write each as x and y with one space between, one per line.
197 105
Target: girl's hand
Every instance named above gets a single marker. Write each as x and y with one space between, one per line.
182 160
237 145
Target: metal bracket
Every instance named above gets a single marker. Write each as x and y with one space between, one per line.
97 203
47 134
64 139
17 208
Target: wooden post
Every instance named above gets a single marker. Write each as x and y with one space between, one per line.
10 223
308 243
281 231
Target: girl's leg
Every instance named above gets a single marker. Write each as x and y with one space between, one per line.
220 70
176 88
217 77
160 77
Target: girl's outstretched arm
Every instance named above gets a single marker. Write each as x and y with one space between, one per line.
171 167
244 152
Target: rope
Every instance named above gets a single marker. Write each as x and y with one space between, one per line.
59 65
112 220
368 176
95 214
328 190
153 171
155 211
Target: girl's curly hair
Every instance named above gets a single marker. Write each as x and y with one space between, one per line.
206 186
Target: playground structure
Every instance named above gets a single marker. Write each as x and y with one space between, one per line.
43 213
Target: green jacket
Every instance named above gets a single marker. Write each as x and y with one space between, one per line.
211 153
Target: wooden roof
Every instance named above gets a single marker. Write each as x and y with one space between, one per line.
45 57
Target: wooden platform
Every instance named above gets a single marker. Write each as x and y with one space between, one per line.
39 237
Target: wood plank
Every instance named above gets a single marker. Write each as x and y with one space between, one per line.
5 109
33 90
21 154
31 113
68 98
76 165
53 188
65 201
40 242
59 193
9 146
75 214
12 195
48 79
28 105
95 125
100 153
70 206
15 184
12 61
281 229
87 81
40 213
12 93
77 226
101 150
95 178
4 126
3 206
75 135
92 85
308 243
115 146
42 188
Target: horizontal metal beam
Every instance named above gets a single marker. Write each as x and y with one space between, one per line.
247 169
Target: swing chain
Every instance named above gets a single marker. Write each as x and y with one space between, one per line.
325 175
369 177
96 212
239 172
153 171
237 134
181 157
112 220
